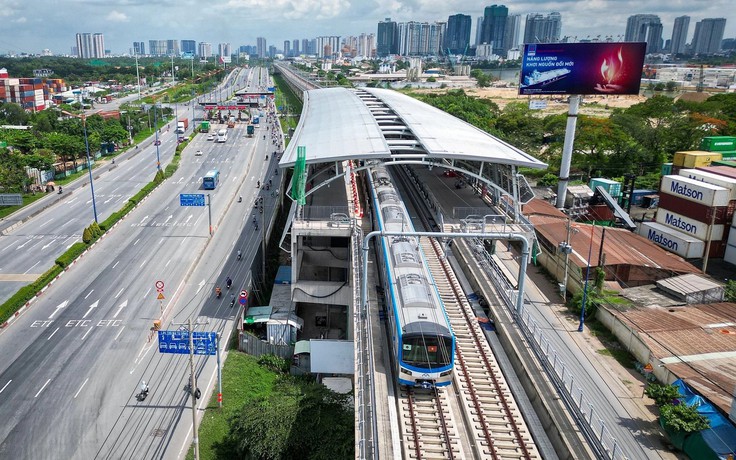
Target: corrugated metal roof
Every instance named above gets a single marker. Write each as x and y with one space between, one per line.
336 124
621 246
541 207
695 342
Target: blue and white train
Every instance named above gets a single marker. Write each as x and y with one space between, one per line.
423 345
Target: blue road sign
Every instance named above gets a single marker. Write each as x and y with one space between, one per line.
191 199
205 343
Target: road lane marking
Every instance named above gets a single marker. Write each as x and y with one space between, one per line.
142 264
45 223
136 241
52 334
144 219
26 272
116 264
167 263
118 335
6 385
80 389
61 305
85 334
44 386
146 294
91 307
120 308
90 293
119 292
201 285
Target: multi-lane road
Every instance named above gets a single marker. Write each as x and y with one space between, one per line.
72 363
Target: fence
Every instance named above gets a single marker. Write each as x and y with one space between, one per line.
256 347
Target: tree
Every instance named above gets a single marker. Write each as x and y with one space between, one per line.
66 146
483 80
670 86
12 114
662 394
519 126
731 291
683 418
13 178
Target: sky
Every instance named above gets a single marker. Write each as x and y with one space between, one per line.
33 25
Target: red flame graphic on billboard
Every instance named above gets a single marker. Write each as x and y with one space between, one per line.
610 69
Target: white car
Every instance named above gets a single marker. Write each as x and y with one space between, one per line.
198 153
210 137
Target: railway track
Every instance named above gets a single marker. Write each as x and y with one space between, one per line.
429 431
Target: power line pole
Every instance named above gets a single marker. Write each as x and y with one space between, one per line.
193 390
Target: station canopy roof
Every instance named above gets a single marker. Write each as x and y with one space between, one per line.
340 124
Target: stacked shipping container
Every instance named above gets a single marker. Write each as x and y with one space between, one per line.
29 93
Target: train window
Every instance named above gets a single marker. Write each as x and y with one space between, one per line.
426 351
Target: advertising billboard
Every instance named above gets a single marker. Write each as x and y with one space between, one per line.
581 68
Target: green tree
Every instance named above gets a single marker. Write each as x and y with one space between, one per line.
66 146
13 178
12 114
87 236
662 394
481 78
731 291
683 418
519 126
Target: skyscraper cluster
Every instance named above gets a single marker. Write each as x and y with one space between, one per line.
648 28
90 45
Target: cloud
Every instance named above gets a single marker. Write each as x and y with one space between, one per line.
20 20
116 16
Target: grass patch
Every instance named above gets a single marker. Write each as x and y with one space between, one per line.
613 347
27 199
243 380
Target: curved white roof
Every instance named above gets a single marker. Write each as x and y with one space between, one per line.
340 123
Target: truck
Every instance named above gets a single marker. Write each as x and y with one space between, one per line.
182 125
251 130
204 127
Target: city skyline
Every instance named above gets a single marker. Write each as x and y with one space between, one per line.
26 27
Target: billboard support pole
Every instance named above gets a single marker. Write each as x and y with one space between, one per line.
572 119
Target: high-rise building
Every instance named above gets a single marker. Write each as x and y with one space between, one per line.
205 50
287 48
513 31
679 35
224 50
271 51
262 47
139 48
387 38
421 38
157 47
708 35
457 39
328 46
543 29
494 27
478 30
295 47
90 45
645 28
189 47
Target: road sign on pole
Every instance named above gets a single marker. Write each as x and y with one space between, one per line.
177 342
191 199
243 299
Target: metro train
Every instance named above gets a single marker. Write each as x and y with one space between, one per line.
423 345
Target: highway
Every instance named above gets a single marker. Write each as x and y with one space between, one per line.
73 362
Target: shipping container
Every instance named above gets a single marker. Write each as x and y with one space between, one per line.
666 169
638 194
718 143
611 186
681 244
729 155
727 163
695 158
699 212
713 179
695 191
725 171
689 225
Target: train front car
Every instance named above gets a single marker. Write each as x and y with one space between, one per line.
423 345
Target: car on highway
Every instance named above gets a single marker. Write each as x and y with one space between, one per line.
198 153
210 137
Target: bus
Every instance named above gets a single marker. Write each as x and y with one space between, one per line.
211 179
222 135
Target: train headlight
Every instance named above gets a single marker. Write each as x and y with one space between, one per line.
446 373
405 371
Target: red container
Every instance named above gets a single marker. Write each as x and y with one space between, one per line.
697 211
725 171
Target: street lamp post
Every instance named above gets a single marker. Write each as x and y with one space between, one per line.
157 142
89 166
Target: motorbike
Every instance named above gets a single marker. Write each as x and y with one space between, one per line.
60 190
240 199
229 283
218 292
240 255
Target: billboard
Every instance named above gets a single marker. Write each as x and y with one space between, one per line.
581 68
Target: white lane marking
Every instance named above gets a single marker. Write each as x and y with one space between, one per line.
88 201
167 263
52 334
189 218
144 219
44 386
46 245
70 245
201 285
118 335
183 240
6 385
80 388
116 264
46 223
85 334
120 308
91 307
119 292
22 245
144 263
61 305
169 218
108 200
89 293
146 294
161 241
26 272
136 241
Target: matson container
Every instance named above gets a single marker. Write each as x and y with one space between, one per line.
672 240
690 226
693 210
696 191
713 179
